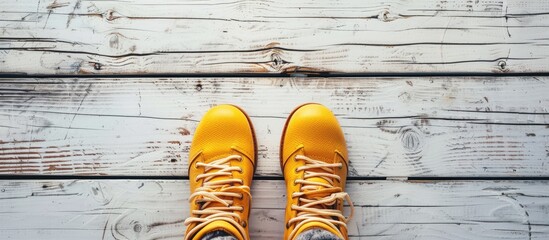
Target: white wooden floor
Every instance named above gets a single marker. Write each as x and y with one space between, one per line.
444 104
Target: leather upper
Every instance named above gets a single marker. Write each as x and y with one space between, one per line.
311 130
223 131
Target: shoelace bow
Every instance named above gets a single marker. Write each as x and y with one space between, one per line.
218 191
319 209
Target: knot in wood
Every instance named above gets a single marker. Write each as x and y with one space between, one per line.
502 64
97 66
384 15
113 41
137 227
110 15
277 61
411 139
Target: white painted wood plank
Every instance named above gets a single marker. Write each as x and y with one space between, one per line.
145 209
222 36
466 126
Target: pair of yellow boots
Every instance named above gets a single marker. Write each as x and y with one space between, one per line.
313 157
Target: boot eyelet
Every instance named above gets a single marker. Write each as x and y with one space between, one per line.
287 226
243 223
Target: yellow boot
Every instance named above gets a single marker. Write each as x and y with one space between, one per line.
313 157
221 167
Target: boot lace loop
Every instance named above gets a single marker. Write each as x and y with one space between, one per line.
313 208
215 197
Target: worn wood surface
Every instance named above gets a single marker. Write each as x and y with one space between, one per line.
144 209
441 126
429 127
281 36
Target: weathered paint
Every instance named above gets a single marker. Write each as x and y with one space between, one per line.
148 209
282 36
438 126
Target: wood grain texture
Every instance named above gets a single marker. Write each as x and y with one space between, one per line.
395 127
144 209
281 36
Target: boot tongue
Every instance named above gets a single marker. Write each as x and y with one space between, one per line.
218 225
317 225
